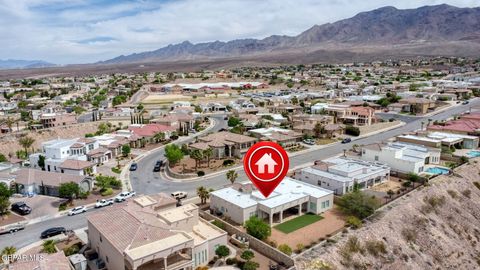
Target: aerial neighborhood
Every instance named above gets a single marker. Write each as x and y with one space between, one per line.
144 171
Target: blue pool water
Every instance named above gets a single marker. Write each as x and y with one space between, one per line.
473 154
437 170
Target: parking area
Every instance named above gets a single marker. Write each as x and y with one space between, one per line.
41 205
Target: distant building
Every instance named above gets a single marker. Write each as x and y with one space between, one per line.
241 201
401 157
225 144
284 137
50 120
340 174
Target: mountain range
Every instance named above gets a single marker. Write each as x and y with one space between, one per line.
13 63
439 30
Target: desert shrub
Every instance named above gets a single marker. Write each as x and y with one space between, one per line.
410 235
452 193
107 192
300 248
200 173
467 193
62 207
375 248
71 250
116 170
285 249
354 245
354 222
228 162
432 203
477 184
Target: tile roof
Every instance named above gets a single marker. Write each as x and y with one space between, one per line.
149 130
29 176
75 164
55 261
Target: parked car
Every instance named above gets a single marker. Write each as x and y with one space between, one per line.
346 140
179 195
124 195
52 232
77 210
133 167
465 102
309 141
21 208
12 228
158 165
103 203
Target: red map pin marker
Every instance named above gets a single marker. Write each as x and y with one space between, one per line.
266 164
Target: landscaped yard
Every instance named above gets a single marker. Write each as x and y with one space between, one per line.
325 141
297 223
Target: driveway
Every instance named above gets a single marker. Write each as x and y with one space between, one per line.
41 205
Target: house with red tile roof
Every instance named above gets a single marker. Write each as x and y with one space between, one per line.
468 124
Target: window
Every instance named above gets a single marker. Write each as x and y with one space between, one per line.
319 183
327 203
323 205
376 158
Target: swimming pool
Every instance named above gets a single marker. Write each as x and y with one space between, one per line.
437 170
473 154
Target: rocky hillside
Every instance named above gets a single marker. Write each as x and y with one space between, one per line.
383 26
435 227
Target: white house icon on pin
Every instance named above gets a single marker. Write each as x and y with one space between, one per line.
266 160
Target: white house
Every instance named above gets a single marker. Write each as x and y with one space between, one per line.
339 174
241 201
401 157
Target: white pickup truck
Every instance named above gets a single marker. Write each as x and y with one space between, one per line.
103 203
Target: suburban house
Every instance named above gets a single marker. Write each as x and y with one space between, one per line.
148 131
284 137
31 181
241 201
354 115
179 121
49 120
339 174
468 124
401 157
413 105
225 144
439 139
149 232
69 155
286 109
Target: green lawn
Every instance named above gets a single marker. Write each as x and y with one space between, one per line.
297 223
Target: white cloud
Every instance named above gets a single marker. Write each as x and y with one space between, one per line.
83 31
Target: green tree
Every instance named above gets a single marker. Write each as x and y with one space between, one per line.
140 107
26 142
319 129
198 109
285 249
3 158
203 194
48 246
352 130
126 150
159 137
257 228
104 182
249 265
4 205
358 204
41 162
247 255
232 176
197 155
6 251
5 191
173 153
208 153
222 251
294 100
233 121
69 190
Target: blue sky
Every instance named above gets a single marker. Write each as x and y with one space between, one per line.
84 31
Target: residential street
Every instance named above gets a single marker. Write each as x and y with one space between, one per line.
145 181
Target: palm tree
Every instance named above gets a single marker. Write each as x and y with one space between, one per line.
208 153
158 137
10 250
9 122
26 142
203 194
197 155
232 176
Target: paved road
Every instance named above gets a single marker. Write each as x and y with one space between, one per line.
146 182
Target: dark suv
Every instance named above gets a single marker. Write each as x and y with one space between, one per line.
52 232
158 165
21 208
